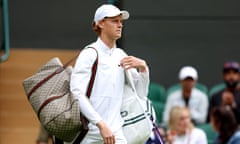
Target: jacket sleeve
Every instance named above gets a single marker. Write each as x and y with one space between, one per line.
199 114
141 82
79 82
167 109
235 140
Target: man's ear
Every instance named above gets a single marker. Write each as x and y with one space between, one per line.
101 24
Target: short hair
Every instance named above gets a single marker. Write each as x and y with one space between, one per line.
96 28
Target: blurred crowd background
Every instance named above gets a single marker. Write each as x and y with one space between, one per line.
167 34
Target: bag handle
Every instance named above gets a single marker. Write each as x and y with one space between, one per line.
89 90
83 119
58 70
94 71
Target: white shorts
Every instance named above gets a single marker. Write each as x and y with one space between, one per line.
96 138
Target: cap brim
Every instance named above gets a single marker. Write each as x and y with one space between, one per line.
124 14
188 77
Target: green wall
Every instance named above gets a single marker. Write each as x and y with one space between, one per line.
171 34
168 34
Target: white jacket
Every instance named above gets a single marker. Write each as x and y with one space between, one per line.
198 105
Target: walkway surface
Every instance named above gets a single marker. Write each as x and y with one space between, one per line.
18 122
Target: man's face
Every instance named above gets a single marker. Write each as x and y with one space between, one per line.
188 83
112 27
231 77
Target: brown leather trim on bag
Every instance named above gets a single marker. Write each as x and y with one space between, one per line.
84 130
59 70
47 102
94 70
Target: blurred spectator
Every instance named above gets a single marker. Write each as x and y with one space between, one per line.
229 96
182 130
189 96
224 122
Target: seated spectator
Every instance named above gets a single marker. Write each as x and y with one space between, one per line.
230 96
189 96
224 122
182 130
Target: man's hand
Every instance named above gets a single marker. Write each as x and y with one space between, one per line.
133 62
227 98
106 133
170 136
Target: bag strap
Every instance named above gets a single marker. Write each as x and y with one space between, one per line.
83 119
94 71
156 131
58 70
89 90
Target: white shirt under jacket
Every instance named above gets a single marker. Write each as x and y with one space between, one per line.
107 91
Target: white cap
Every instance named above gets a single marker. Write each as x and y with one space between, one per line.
108 10
188 71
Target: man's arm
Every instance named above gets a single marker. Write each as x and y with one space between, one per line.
199 114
